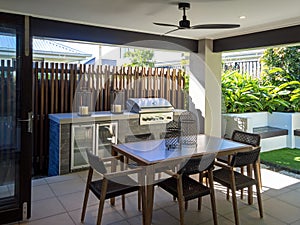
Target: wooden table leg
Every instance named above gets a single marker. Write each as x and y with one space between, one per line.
148 197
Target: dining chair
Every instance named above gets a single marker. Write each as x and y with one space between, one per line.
111 184
185 188
245 138
234 180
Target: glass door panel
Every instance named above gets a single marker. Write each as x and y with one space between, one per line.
8 135
15 133
106 135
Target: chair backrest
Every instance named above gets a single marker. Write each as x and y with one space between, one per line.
245 158
96 163
197 164
246 138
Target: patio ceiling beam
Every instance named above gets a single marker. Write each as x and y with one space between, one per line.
287 35
80 32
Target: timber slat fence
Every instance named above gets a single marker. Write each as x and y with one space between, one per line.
56 84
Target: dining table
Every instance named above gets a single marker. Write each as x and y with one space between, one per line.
152 154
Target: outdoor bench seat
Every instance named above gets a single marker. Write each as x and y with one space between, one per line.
268 132
297 132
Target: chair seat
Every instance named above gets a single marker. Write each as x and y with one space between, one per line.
222 176
191 188
115 188
223 158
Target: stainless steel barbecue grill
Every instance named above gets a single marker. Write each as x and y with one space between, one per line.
151 110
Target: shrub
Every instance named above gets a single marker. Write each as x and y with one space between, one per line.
242 93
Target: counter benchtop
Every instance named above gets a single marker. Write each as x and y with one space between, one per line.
67 118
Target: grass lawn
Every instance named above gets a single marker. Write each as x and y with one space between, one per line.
283 158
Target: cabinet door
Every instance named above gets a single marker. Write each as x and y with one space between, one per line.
82 140
106 135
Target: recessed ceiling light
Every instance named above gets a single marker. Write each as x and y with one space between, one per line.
242 17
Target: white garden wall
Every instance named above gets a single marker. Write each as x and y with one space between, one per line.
248 121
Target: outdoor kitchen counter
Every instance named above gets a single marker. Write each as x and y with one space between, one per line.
66 118
70 118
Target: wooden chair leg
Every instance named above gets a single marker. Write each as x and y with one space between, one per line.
250 190
86 195
139 200
102 201
144 204
212 197
258 190
180 200
242 190
227 194
201 181
123 202
259 173
234 200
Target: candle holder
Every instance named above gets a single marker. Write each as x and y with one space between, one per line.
117 101
83 102
188 128
171 140
171 135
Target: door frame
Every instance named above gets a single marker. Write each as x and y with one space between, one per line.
20 208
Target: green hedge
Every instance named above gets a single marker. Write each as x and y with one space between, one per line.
243 93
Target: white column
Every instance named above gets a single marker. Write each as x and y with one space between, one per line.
213 92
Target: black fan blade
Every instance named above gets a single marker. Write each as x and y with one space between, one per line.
166 25
171 31
215 26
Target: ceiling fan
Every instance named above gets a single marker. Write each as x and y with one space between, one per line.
185 23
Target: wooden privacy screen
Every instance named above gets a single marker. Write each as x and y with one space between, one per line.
56 84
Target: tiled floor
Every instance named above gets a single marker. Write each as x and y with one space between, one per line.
58 200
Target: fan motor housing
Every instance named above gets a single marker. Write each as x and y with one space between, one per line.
183 5
184 23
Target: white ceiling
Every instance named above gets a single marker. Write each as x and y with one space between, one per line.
139 15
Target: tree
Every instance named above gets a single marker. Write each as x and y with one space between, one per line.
281 65
140 57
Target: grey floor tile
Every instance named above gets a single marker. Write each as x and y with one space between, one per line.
41 192
37 182
45 208
277 182
191 216
281 210
62 219
135 220
291 198
162 199
296 222
131 206
250 215
74 200
110 216
68 186
124 222
61 178
60 202
162 217
221 220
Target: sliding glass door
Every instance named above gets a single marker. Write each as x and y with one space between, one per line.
15 118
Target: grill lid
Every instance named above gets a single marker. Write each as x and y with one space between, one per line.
140 105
